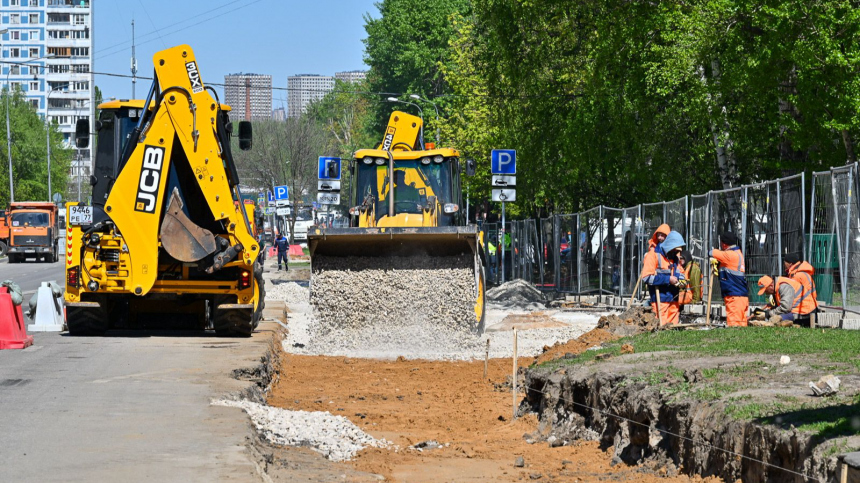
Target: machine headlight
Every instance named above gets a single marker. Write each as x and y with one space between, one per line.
380 161
438 158
367 160
451 208
425 160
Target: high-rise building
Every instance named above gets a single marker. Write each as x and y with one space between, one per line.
50 43
351 76
279 114
304 88
249 95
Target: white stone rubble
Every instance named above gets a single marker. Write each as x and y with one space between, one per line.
335 437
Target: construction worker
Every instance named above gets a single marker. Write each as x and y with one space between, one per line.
692 294
491 250
802 272
283 247
789 298
728 263
665 278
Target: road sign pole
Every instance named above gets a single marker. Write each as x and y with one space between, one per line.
502 241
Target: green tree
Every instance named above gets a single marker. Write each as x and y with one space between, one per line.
29 153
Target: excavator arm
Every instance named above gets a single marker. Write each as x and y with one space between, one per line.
182 128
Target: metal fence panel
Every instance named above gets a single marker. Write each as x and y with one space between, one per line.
631 259
760 243
675 214
568 260
613 238
844 186
590 222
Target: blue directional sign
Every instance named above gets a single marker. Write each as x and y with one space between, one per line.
504 161
281 193
329 168
271 197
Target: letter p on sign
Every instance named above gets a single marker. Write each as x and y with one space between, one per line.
504 161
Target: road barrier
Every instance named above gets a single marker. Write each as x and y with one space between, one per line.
48 307
599 250
13 333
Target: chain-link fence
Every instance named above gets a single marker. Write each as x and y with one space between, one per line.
600 250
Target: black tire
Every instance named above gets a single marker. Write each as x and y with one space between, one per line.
3 248
233 322
85 321
13 258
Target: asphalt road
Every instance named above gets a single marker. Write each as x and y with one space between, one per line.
30 274
131 406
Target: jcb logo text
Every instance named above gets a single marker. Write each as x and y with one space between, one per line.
150 178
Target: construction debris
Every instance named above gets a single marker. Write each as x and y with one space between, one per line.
633 321
826 386
517 295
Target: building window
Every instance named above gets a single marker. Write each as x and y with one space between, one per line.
15 70
34 35
59 51
58 69
14 35
35 103
80 51
14 3
79 19
34 52
81 86
34 18
14 52
15 18
80 68
34 85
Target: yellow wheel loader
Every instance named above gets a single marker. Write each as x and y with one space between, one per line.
405 202
167 241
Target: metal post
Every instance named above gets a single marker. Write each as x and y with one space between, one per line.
578 257
556 226
745 207
602 248
848 234
803 212
623 251
467 206
9 139
811 221
48 142
778 228
708 245
502 241
838 244
687 217
78 159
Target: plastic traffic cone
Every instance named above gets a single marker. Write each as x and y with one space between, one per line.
13 332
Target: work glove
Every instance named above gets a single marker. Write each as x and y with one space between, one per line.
715 266
759 314
682 284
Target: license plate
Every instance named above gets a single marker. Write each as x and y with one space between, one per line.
80 215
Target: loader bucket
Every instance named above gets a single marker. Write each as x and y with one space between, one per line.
440 251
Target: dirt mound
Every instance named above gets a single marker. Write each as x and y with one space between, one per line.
635 320
576 346
517 294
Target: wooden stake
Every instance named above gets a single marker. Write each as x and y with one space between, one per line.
710 295
635 290
514 380
486 358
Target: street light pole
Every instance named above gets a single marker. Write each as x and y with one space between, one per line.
420 113
419 98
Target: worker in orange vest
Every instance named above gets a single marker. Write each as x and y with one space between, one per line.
802 273
791 304
665 278
728 263
650 258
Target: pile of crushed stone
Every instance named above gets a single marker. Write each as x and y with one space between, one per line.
290 292
517 295
635 320
335 437
409 293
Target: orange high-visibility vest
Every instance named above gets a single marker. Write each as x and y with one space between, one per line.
801 273
798 294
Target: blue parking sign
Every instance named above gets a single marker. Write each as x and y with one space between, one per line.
281 193
329 168
504 161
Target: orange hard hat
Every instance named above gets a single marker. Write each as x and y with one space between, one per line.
764 283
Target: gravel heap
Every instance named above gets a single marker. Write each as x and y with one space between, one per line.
290 292
516 294
333 436
412 292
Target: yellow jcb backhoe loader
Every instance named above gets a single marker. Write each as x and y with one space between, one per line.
405 201
167 240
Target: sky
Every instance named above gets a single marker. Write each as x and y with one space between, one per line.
276 37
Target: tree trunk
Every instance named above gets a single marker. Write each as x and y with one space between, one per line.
849 146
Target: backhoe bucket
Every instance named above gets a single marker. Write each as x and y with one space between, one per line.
441 255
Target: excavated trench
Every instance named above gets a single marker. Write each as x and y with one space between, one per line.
643 427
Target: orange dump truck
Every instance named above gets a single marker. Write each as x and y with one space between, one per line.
34 231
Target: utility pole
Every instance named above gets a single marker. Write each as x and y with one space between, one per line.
133 63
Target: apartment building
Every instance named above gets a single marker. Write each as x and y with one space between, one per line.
304 88
351 76
48 46
249 95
